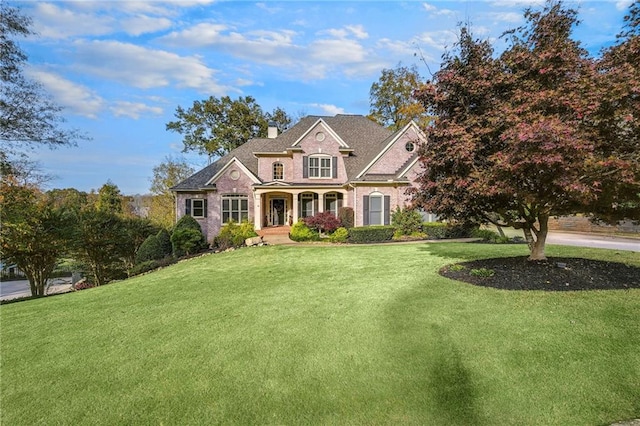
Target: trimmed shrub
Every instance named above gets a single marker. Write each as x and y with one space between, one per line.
150 265
489 236
187 241
150 249
340 235
371 234
233 235
435 230
323 222
301 232
439 230
407 221
187 237
164 240
345 216
461 229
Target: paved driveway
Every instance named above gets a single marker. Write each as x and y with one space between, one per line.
14 289
596 241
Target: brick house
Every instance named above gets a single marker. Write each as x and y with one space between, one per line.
319 164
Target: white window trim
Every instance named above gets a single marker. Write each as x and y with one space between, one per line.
231 197
320 168
193 208
308 196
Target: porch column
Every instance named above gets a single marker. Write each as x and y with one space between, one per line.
296 213
257 210
321 201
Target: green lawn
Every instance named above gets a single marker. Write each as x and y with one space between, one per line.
323 335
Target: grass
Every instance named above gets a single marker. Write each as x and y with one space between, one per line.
323 335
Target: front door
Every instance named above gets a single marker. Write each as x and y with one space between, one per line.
278 211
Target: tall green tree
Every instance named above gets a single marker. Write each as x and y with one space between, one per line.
28 116
110 199
98 244
166 175
280 118
216 126
516 138
391 97
35 233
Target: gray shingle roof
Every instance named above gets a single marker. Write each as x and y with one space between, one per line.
365 137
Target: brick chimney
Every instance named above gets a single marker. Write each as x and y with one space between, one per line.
272 131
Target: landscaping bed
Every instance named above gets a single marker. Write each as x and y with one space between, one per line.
554 274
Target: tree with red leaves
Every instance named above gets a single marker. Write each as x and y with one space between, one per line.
518 138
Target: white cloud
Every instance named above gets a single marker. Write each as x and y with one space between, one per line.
328 108
145 68
144 24
52 21
433 10
133 109
511 17
78 98
274 48
358 31
623 4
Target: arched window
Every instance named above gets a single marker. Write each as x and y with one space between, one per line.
278 171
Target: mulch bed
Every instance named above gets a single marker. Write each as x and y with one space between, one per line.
555 274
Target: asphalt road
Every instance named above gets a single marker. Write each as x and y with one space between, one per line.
15 289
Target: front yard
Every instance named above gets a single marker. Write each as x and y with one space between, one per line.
324 335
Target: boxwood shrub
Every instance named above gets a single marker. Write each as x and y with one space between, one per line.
301 232
371 234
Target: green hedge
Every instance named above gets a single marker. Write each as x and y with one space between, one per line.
439 230
371 234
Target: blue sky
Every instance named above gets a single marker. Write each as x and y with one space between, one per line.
120 68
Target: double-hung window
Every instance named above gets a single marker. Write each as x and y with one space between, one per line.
196 207
376 209
320 166
235 207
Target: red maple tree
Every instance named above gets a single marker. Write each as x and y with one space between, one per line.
519 138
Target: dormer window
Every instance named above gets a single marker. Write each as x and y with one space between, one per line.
278 171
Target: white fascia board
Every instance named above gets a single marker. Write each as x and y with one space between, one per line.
391 143
326 128
242 167
409 167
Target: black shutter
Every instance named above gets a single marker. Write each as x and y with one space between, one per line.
334 167
299 207
205 207
365 210
387 207
187 207
315 204
305 167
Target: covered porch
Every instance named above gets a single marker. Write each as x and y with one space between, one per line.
282 207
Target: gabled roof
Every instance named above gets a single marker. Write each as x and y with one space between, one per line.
363 137
322 123
390 142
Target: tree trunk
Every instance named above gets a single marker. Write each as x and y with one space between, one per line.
537 249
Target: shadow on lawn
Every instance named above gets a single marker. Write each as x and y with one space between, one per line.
433 377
